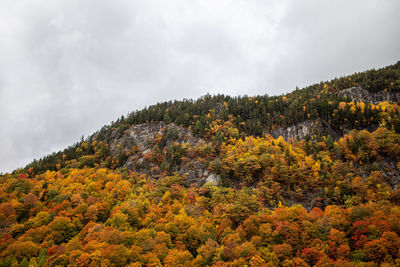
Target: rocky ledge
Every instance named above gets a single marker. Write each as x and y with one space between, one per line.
359 94
141 141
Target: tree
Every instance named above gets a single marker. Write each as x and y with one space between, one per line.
22 249
177 258
62 229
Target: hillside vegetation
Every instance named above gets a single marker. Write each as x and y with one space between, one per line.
204 183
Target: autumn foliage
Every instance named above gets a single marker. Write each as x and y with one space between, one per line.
324 200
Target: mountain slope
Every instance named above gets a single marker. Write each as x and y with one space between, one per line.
265 114
307 178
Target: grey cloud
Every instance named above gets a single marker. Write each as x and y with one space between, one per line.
68 67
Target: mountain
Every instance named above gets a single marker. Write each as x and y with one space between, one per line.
306 178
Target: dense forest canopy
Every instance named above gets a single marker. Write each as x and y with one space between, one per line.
330 198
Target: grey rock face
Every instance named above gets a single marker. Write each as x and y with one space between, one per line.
194 171
142 138
309 127
299 130
359 94
213 179
138 135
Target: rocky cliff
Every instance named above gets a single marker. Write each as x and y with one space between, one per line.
299 130
310 127
145 142
359 94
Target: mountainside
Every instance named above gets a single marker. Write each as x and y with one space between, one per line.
306 178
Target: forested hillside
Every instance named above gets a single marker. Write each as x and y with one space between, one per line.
209 182
260 114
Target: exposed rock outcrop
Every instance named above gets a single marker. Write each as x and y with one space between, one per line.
142 138
299 130
359 94
310 127
140 135
213 179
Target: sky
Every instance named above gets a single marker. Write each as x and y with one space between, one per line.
68 67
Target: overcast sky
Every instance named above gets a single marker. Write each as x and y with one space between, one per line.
68 67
